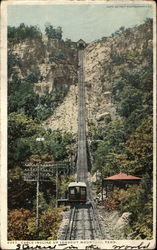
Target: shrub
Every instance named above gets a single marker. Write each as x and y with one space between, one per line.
49 224
21 224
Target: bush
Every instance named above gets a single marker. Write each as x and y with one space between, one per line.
49 224
21 224
137 200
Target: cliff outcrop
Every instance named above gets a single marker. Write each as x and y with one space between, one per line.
54 63
107 60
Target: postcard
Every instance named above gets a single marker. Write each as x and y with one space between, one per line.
78 124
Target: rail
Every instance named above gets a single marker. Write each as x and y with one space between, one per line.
69 229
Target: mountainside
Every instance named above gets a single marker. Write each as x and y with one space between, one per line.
109 59
54 64
45 67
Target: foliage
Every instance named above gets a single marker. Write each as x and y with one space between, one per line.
118 32
49 224
138 201
20 130
139 149
22 32
21 97
63 185
133 93
60 54
20 126
48 103
23 146
23 132
69 43
54 33
13 60
126 144
110 204
21 194
19 223
149 20
109 152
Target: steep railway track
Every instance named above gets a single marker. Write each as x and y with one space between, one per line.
82 166
84 222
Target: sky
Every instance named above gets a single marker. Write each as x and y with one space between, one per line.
86 21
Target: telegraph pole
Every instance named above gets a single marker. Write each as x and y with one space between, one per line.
43 172
37 198
56 185
37 195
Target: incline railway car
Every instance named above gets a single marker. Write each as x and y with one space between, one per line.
77 192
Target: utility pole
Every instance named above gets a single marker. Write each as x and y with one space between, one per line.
43 172
39 139
37 198
56 185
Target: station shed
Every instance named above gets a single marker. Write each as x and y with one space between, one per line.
119 180
81 44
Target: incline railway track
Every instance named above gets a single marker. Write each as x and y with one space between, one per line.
83 224
82 166
84 221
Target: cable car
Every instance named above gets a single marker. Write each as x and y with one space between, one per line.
77 192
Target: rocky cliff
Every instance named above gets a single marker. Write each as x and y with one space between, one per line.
54 62
106 60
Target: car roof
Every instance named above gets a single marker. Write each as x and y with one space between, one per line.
80 184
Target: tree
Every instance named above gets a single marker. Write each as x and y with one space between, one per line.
139 149
13 60
20 132
49 224
59 33
54 33
137 199
22 32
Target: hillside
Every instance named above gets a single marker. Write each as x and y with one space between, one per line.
54 65
107 60
46 68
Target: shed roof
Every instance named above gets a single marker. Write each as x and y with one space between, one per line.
77 184
81 40
122 176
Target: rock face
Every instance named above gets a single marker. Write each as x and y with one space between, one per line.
55 64
106 60
65 116
52 61
123 220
